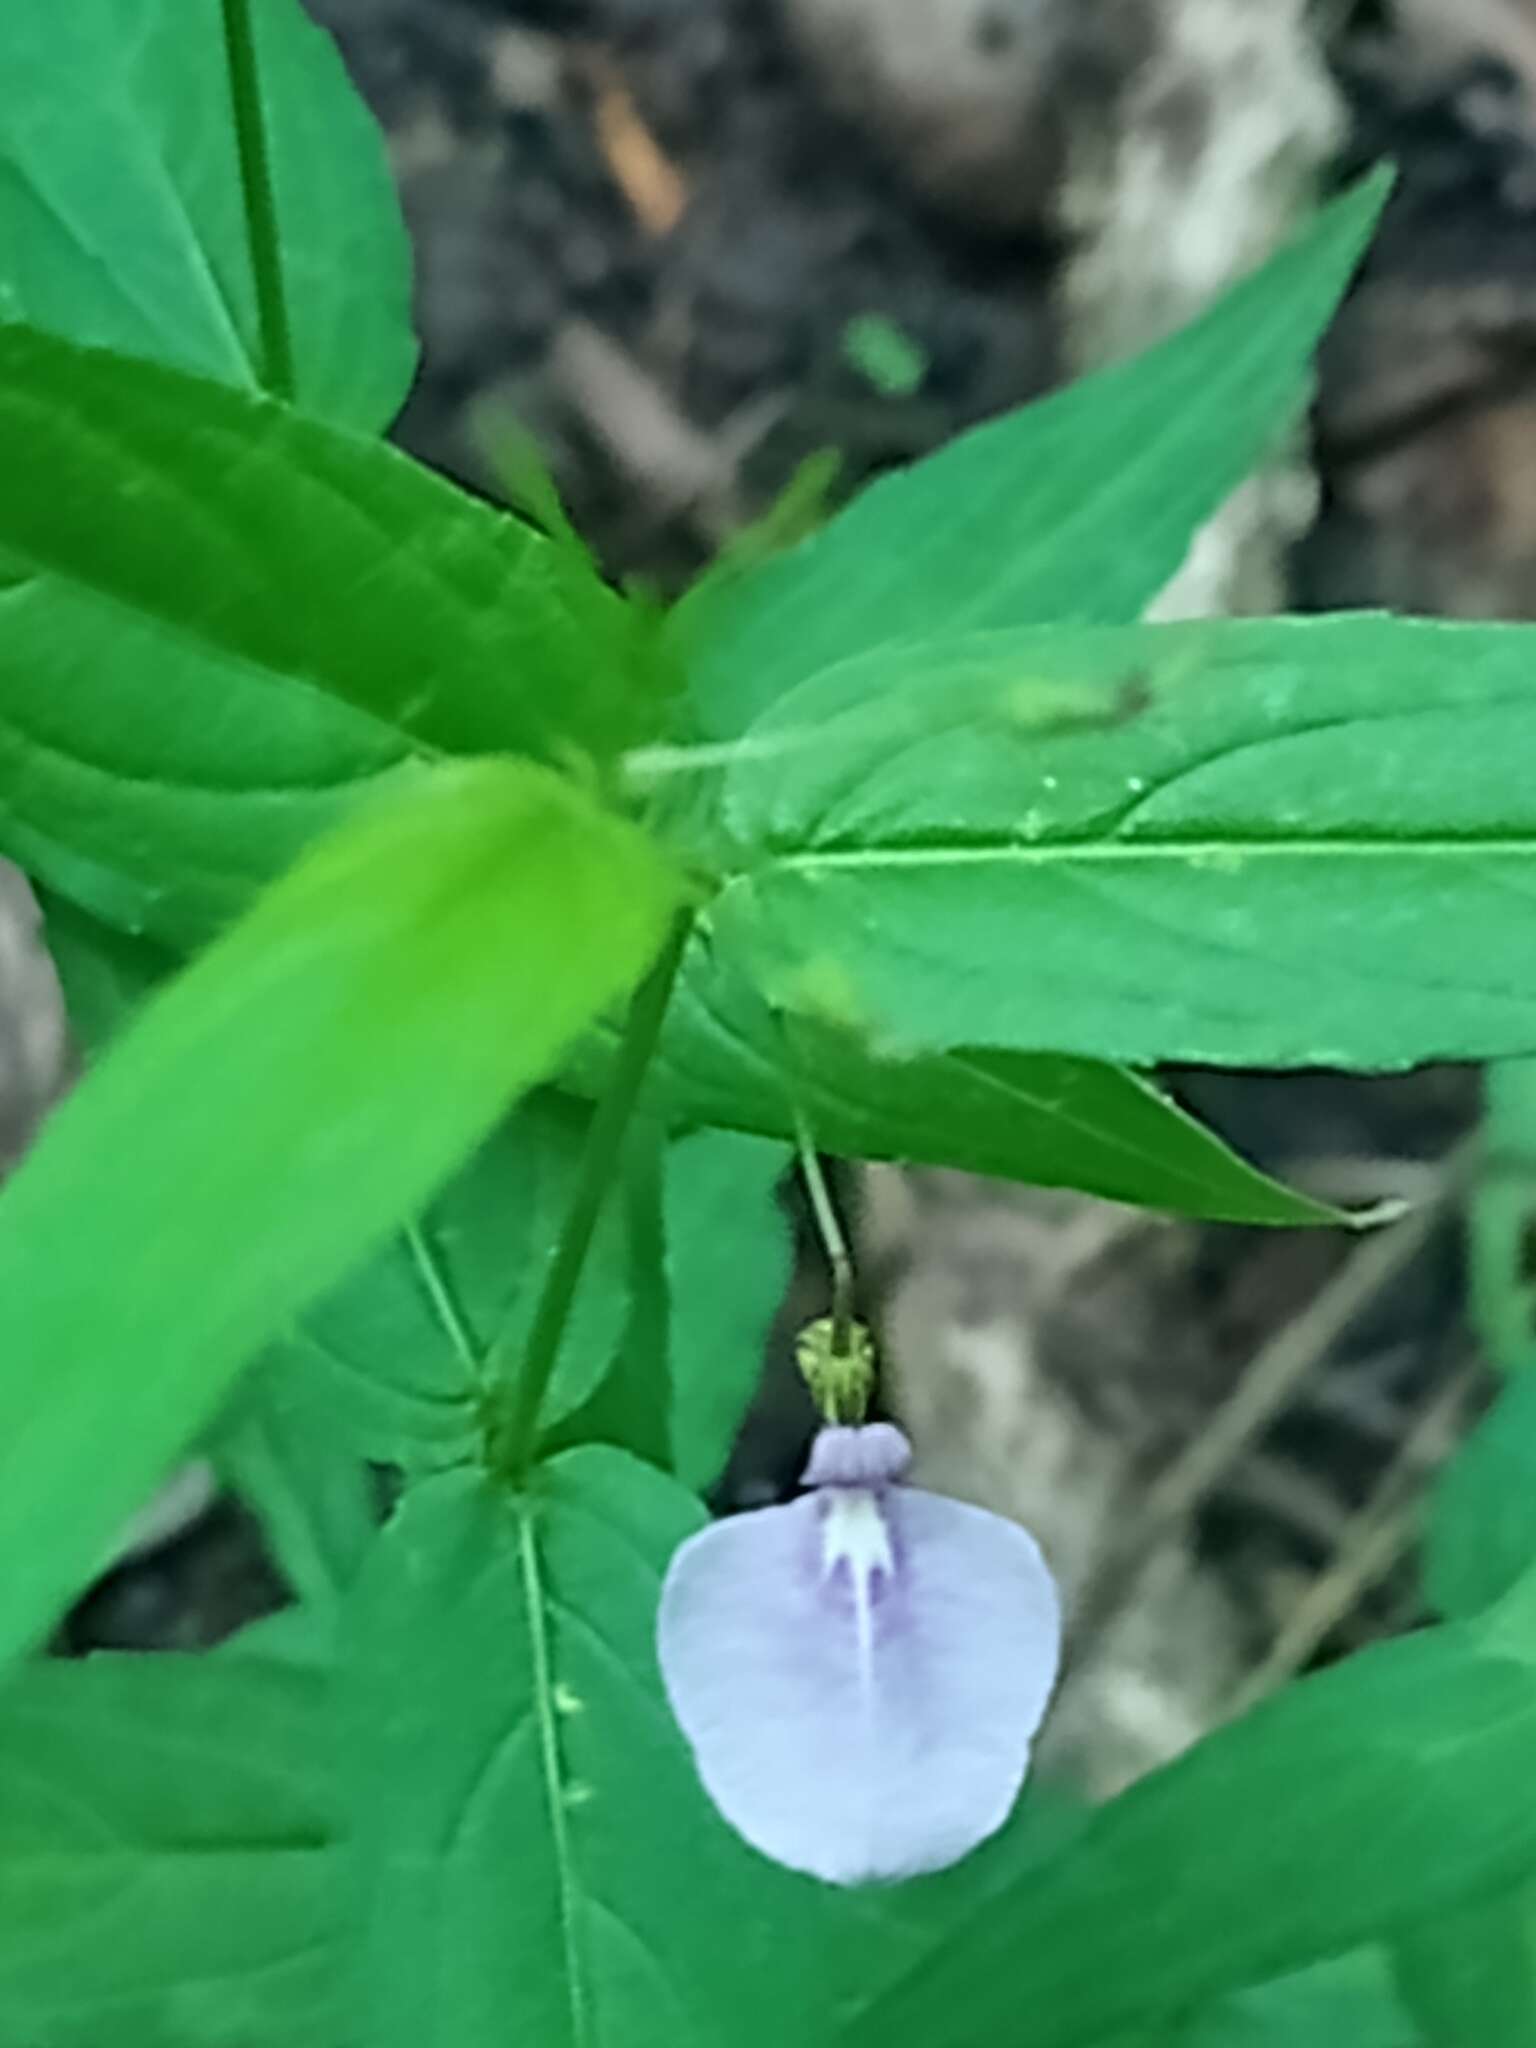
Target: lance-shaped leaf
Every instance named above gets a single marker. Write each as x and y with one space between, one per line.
726 1060
1275 844
394 1360
508 1810
275 1112
1502 1217
861 1673
709 1261
1372 1794
1482 1525
1349 2000
168 1874
728 1262
1077 508
223 530
1481 1536
630 1405
1047 1118
122 794
498 1877
313 1495
1470 1976
122 219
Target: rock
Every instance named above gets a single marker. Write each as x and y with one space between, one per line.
1165 145
1212 147
1426 414
961 96
32 1037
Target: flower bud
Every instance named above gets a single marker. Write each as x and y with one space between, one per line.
841 1382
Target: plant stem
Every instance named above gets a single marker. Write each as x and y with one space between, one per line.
513 1420
275 368
833 1242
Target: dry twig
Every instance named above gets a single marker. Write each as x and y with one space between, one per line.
1290 1358
1371 1543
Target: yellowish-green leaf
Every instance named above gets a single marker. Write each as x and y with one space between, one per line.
273 1114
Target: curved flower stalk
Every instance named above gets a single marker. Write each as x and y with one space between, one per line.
860 1674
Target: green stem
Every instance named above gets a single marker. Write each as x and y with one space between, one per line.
513 1420
833 1242
275 369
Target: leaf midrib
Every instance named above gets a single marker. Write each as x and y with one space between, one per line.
1215 853
552 1769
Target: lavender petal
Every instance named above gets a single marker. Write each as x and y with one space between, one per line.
860 1675
871 1454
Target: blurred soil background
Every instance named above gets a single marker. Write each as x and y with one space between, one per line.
688 244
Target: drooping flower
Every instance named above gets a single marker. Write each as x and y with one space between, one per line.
860 1674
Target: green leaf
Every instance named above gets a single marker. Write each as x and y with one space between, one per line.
1349 2003
1041 1117
630 1407
393 1359
1481 1536
1501 1224
119 794
523 478
509 1813
647 1354
167 1874
198 545
276 1111
303 1637
1371 1795
121 217
314 1497
802 507
1470 1977
1077 508
528 1780
729 1260
1482 1524
884 354
106 975
1279 843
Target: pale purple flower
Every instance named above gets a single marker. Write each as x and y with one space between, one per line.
860 1674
